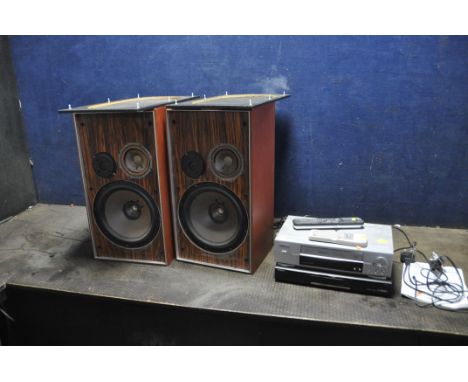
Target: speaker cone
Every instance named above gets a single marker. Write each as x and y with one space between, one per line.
213 217
135 160
226 162
126 214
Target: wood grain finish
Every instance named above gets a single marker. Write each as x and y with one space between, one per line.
263 180
201 131
163 178
110 132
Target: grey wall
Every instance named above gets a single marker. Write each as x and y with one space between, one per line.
16 183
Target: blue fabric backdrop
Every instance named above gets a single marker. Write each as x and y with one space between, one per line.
375 127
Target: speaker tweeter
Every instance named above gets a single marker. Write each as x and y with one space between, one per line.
192 164
104 165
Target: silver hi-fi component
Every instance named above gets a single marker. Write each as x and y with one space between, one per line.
365 269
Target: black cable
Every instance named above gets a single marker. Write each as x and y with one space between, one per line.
456 269
6 315
406 236
440 290
414 285
6 220
423 255
452 289
278 222
401 249
419 305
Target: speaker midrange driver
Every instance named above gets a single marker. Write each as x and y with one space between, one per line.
226 162
135 160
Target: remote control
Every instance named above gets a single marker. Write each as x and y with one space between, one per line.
327 223
339 237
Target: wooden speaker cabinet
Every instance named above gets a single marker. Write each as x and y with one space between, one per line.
221 152
123 158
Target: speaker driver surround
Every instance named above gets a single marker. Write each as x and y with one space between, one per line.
226 162
126 214
213 217
135 160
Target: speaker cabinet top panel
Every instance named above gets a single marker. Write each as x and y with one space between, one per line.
232 101
128 105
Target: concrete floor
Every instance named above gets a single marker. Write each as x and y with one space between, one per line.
48 247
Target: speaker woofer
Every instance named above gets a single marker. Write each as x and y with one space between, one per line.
226 162
126 214
213 217
135 160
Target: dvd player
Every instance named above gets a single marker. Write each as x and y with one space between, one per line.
334 280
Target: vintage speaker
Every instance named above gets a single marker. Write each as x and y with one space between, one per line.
123 157
222 158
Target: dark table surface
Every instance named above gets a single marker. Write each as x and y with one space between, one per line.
48 247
